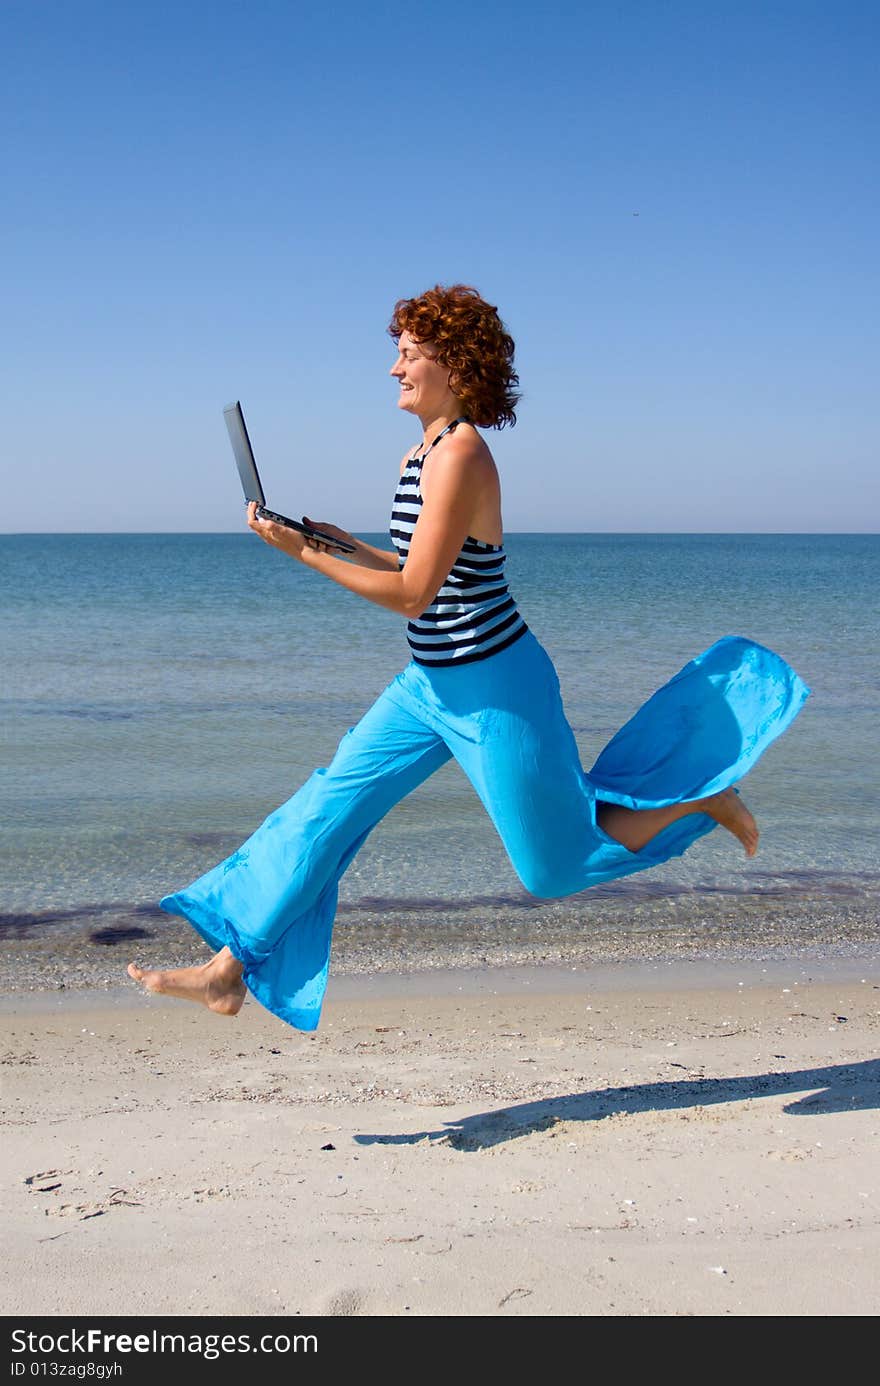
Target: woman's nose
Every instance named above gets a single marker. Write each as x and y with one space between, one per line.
397 368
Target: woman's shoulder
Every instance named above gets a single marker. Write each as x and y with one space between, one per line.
465 442
466 447
462 459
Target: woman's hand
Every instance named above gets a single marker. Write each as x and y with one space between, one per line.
289 541
333 530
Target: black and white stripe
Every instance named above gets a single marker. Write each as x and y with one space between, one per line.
473 615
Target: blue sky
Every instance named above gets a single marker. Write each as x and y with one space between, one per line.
219 201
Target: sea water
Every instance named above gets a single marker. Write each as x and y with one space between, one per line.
160 694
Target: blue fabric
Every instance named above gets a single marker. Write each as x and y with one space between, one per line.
273 901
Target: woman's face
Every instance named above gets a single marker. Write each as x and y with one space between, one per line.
424 383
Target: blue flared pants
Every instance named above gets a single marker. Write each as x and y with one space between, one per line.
273 901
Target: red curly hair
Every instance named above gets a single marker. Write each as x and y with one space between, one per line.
470 339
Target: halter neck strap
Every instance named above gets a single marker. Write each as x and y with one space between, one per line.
442 434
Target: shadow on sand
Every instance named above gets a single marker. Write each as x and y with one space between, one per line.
836 1088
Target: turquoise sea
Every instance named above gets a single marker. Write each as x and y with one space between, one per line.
160 694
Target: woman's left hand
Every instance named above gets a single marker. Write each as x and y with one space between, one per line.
290 541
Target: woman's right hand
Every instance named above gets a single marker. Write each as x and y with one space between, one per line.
333 530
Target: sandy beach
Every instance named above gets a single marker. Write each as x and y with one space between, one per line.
659 1139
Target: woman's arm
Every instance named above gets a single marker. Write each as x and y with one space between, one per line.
365 555
458 477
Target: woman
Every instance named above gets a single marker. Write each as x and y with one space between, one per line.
480 688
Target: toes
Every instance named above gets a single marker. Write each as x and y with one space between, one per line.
134 971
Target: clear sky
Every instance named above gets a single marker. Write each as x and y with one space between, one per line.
674 203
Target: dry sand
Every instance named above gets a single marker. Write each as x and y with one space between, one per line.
513 1142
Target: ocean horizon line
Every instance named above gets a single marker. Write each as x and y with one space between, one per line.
518 533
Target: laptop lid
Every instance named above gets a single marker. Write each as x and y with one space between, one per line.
244 453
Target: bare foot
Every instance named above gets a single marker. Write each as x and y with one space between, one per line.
728 809
216 984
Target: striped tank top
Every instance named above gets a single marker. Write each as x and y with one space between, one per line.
473 615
